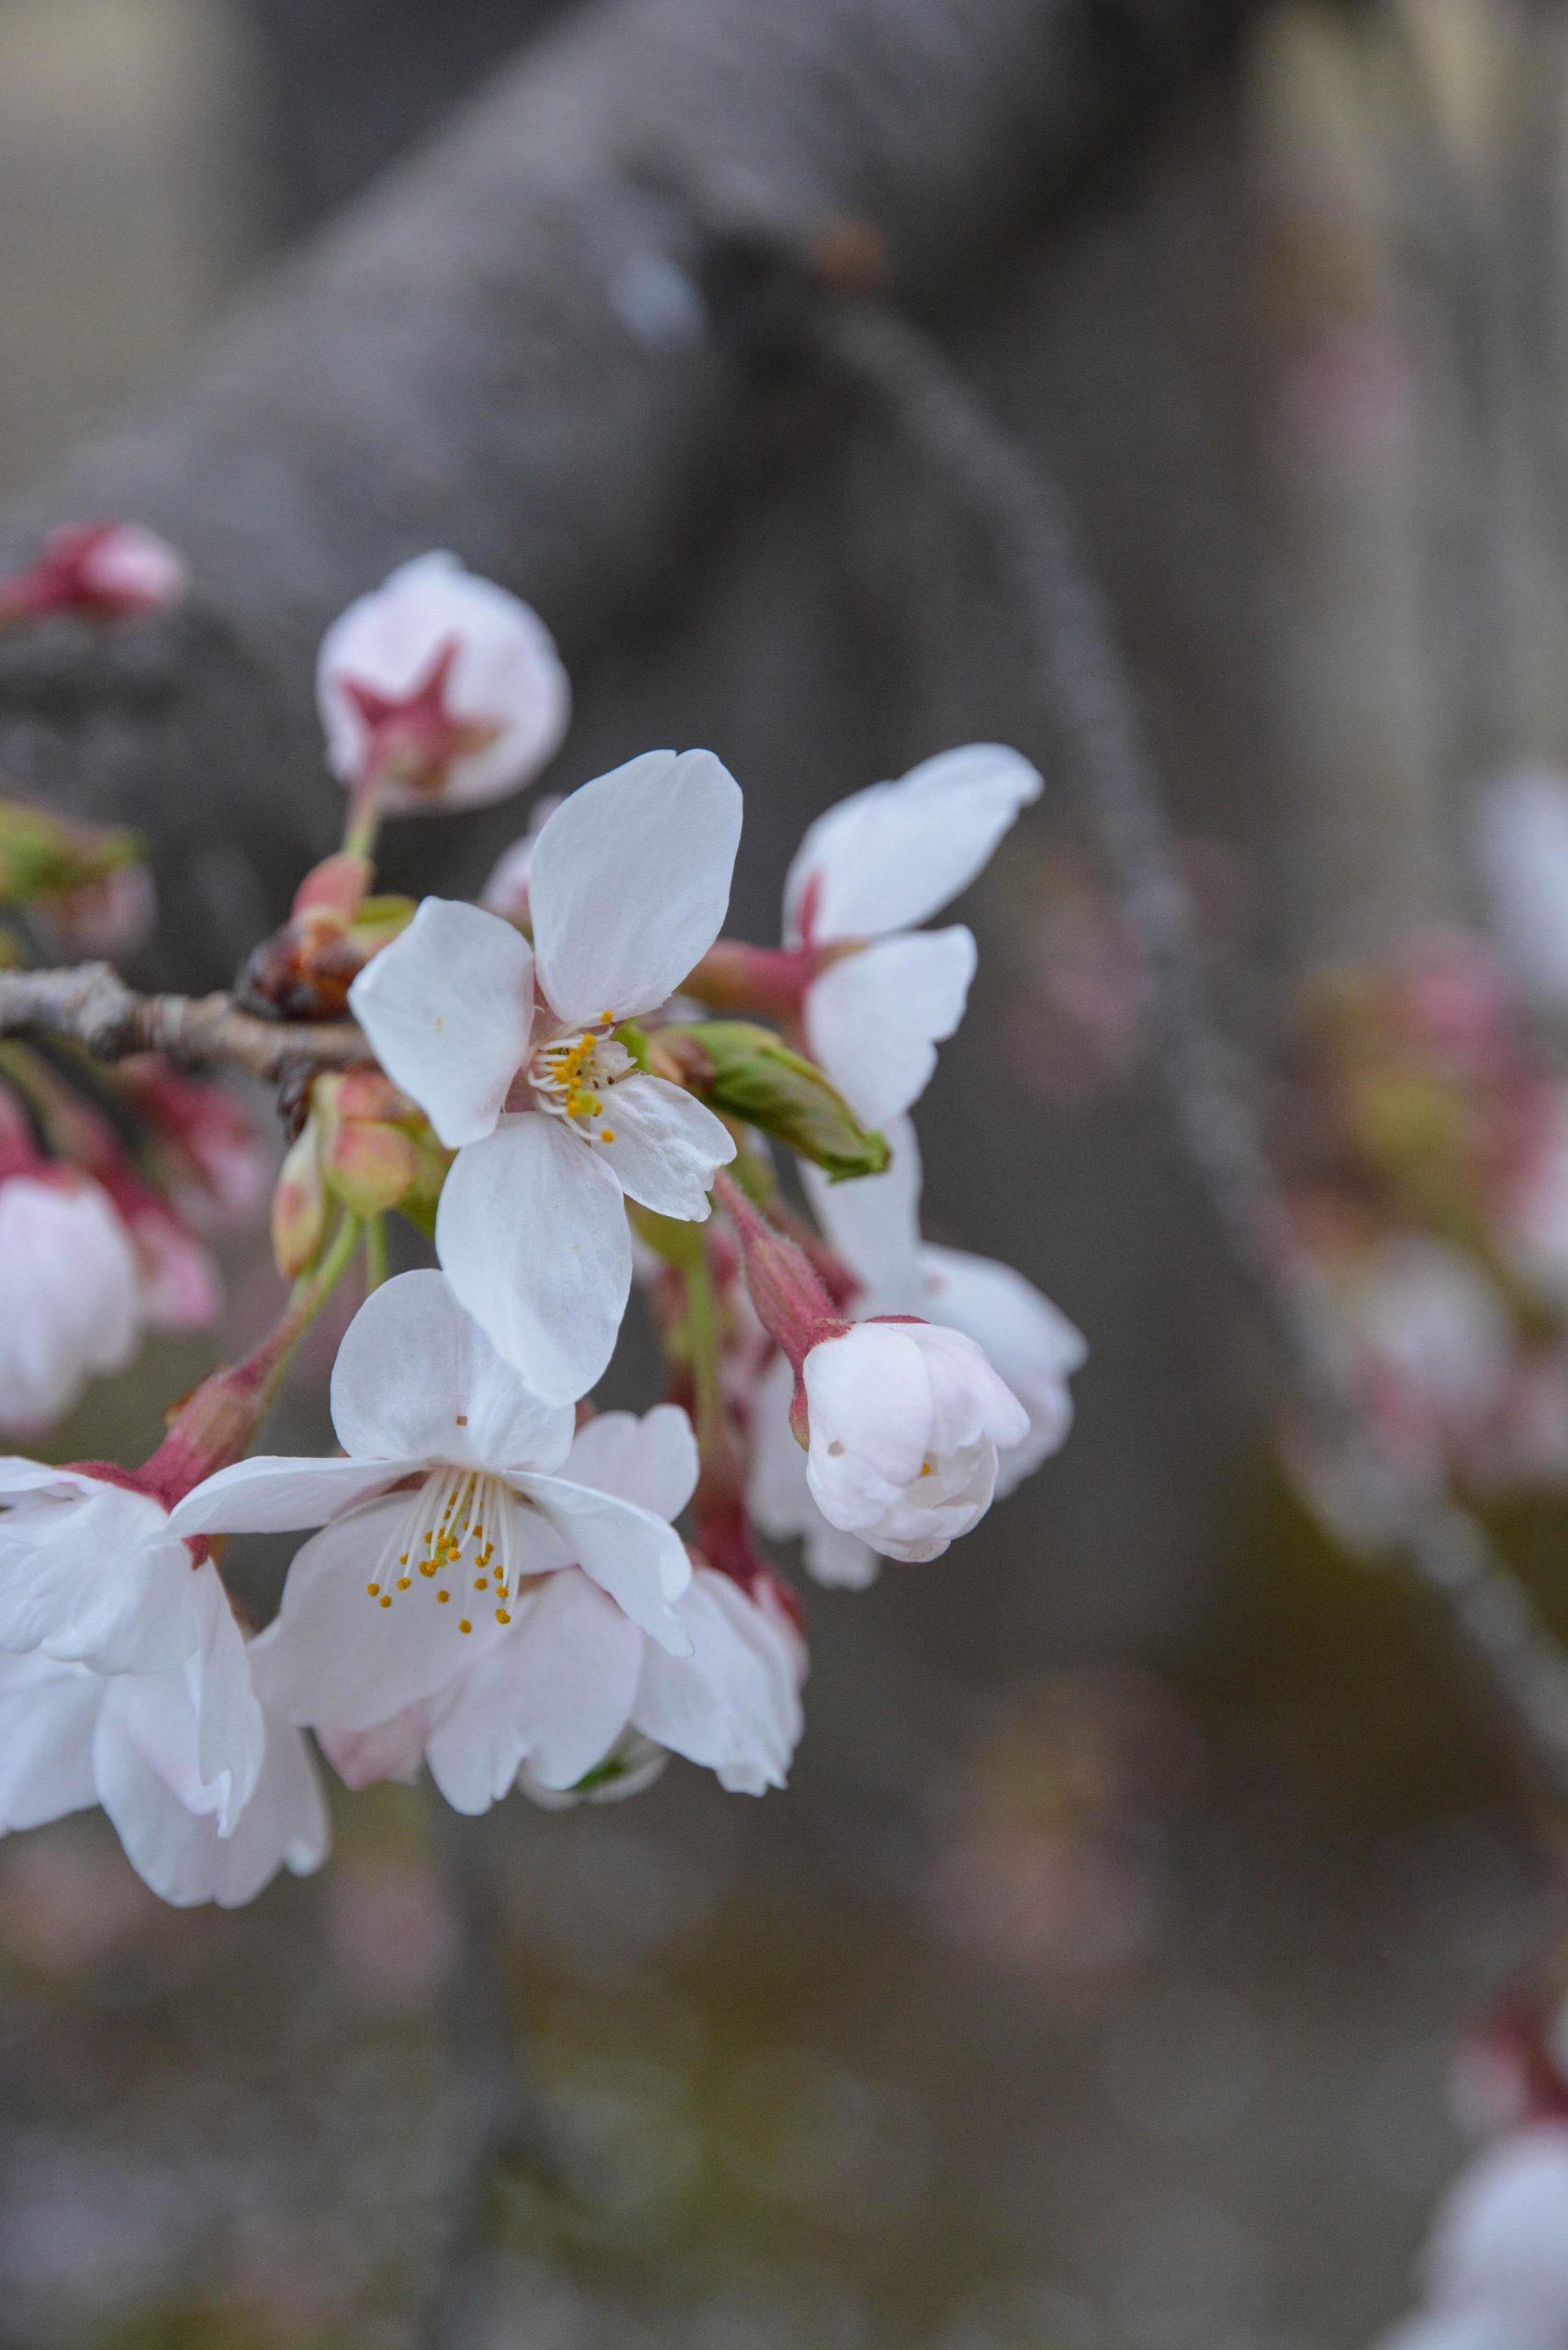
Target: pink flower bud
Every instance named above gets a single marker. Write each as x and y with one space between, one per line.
104 571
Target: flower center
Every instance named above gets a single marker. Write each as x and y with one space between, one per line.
571 1077
457 1537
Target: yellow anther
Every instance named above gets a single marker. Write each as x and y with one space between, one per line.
403 1582
464 1625
373 1591
443 1596
386 1599
502 1617
608 1134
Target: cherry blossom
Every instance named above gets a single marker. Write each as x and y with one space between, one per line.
574 1690
102 570
72 1297
140 1745
442 688
512 1052
455 1490
1495 2272
884 992
873 1225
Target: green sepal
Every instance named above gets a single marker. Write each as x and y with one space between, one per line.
747 1073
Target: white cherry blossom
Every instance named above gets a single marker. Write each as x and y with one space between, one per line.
512 1051
72 1298
134 1744
457 1491
873 1225
449 684
573 1688
866 876
1502 2236
906 1422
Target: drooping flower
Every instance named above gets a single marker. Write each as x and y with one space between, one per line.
907 1420
138 1744
442 688
873 1225
867 874
1522 843
573 1691
72 1297
456 1489
512 1053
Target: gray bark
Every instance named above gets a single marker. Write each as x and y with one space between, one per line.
505 349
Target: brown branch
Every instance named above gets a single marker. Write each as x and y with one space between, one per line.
92 1006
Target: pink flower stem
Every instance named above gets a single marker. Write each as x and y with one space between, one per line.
792 1300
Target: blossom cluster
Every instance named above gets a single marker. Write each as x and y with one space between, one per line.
575 1089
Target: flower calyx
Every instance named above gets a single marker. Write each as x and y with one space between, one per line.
750 1075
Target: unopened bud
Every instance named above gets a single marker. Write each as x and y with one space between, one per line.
299 1207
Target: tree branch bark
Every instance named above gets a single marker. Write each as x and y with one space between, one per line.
92 1006
509 348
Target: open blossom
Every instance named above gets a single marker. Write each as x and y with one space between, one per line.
867 875
442 688
873 1225
135 1745
72 1301
512 1053
455 1492
1523 841
573 1690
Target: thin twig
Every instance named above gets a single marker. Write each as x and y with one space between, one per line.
1088 696
502 2130
92 1004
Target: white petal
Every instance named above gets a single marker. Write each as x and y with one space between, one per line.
631 883
874 1019
667 1146
873 1223
71 1296
98 1580
889 857
733 1704
416 1379
1029 1342
638 1559
556 1693
230 1738
48 1715
182 1854
651 1460
333 1655
278 1492
531 1233
448 1008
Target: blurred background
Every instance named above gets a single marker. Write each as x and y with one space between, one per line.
1099 1984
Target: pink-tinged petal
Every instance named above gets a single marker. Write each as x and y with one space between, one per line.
651 1462
48 1715
556 1693
1029 1343
391 1749
448 1008
531 1233
733 1704
335 1655
889 857
778 1492
667 1146
873 1223
416 1379
874 1019
637 1557
97 1580
279 1494
631 883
